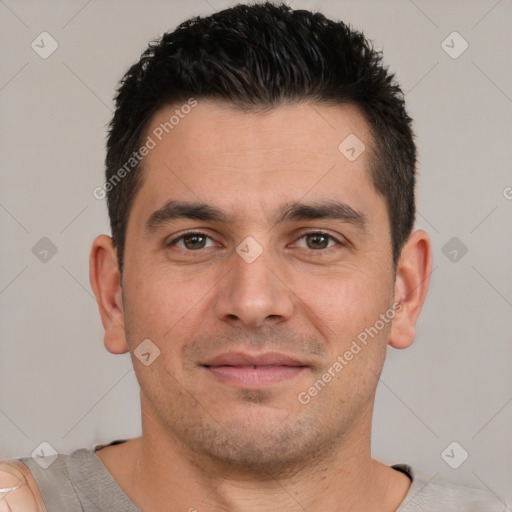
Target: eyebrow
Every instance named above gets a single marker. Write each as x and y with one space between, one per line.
288 212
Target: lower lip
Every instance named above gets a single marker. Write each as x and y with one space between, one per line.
259 376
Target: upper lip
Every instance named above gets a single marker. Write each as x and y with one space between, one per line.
244 359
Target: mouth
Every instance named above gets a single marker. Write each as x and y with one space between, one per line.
254 371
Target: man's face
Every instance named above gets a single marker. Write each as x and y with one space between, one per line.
246 329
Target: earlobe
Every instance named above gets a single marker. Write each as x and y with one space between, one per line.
105 282
411 286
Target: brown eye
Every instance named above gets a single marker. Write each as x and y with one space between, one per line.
318 241
194 241
191 241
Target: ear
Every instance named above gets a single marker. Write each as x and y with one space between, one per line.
411 286
105 281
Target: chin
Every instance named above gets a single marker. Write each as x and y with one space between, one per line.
259 445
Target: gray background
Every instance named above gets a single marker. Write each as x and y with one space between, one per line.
57 382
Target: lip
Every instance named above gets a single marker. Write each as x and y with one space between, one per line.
254 370
245 359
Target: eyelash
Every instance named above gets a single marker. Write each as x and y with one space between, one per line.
303 235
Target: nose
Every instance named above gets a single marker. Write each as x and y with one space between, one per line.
254 293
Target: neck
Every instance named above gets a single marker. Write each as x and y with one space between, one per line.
163 471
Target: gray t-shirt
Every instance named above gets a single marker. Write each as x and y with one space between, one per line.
79 482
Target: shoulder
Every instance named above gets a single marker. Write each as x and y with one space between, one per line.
74 482
18 489
39 483
427 494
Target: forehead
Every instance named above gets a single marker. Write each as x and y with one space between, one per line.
251 160
296 130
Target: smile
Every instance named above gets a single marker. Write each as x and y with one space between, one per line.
254 370
254 376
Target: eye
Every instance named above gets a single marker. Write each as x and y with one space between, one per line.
192 241
318 241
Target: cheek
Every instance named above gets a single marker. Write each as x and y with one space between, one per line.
345 303
163 305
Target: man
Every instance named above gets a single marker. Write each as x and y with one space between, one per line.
260 185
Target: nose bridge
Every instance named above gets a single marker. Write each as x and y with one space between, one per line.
252 292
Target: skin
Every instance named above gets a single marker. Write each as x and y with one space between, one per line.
214 445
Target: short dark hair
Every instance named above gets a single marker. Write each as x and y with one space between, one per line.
257 57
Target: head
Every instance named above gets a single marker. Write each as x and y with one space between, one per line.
266 130
257 58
